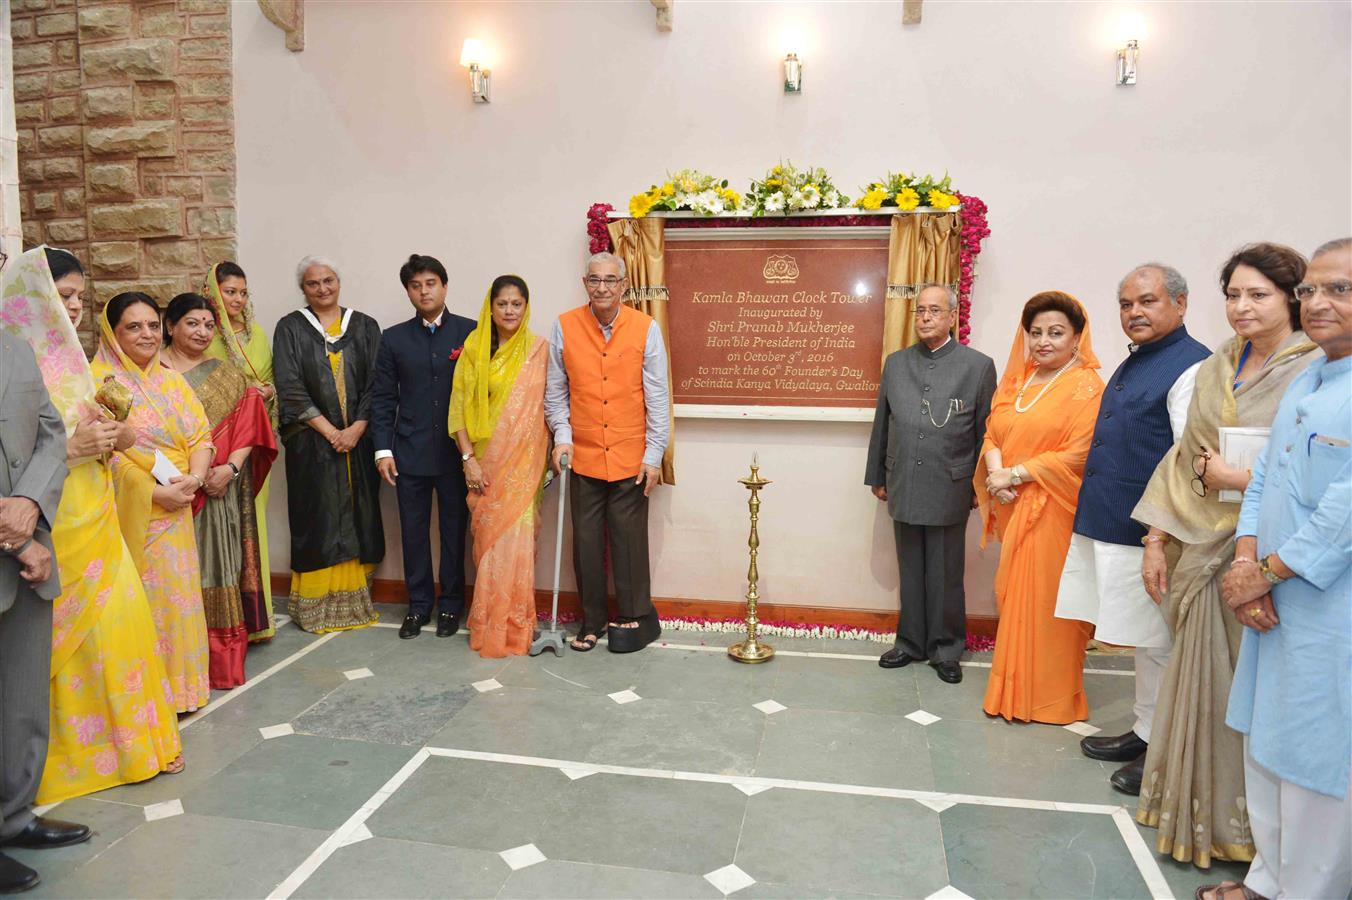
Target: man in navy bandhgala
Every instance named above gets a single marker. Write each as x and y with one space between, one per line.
414 452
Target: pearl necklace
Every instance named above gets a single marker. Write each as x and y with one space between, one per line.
1018 398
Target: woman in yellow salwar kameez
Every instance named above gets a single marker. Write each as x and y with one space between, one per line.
497 415
172 430
112 714
240 340
324 361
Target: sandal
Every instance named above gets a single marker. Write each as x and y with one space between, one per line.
585 641
176 765
1226 889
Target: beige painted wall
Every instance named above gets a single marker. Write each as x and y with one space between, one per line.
366 147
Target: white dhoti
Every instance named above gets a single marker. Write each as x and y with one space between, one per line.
1101 583
1303 839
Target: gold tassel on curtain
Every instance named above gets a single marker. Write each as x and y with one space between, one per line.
925 248
641 243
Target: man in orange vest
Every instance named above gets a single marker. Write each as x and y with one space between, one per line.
607 403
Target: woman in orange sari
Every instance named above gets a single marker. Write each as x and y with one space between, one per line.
1028 481
497 415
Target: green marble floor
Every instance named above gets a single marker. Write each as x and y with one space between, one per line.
359 765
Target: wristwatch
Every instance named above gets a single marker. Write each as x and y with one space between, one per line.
1265 567
466 457
233 468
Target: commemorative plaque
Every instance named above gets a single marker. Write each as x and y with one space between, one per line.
788 320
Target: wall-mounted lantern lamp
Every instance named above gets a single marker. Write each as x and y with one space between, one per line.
480 79
793 74
1126 62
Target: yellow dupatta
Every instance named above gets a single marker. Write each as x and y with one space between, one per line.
252 355
487 377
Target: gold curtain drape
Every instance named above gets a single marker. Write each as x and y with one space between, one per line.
924 249
641 243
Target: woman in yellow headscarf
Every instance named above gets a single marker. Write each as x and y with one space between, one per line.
497 414
157 480
112 713
241 340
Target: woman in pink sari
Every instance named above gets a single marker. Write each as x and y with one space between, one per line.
497 418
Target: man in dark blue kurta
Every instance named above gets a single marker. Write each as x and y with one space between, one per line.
414 451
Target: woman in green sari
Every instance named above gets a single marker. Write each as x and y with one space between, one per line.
1192 788
241 340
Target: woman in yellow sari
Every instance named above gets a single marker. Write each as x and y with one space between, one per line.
240 340
112 714
157 480
1028 483
497 415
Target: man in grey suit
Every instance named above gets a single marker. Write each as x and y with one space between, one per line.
927 431
32 471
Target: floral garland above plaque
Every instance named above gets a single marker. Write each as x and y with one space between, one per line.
688 189
788 189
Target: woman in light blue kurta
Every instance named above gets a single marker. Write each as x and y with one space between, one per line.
1292 691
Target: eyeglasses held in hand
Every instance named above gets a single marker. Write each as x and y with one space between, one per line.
1199 470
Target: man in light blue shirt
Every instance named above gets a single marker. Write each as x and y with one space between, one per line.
1291 586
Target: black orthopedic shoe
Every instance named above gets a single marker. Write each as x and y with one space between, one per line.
628 640
1118 748
413 624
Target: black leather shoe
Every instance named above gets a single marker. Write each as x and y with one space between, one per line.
15 876
1128 778
447 624
43 834
1120 748
413 624
895 659
948 670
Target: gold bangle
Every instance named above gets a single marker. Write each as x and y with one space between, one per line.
1155 539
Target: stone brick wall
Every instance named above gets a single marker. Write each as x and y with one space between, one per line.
126 138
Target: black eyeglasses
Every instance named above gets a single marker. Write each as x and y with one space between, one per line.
1199 482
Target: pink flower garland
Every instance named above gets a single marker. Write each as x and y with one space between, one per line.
973 217
597 232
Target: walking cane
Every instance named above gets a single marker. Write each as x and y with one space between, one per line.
553 638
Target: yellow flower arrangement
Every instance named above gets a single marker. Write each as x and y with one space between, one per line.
907 192
686 189
786 188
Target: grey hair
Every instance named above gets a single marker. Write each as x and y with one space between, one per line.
605 257
309 261
1175 285
1332 247
946 288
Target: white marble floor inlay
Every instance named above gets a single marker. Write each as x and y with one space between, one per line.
623 697
488 684
574 774
948 892
354 674
729 879
1083 729
920 717
769 707
166 810
751 790
358 834
936 804
275 731
523 856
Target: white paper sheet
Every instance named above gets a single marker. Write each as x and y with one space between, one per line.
1240 447
163 470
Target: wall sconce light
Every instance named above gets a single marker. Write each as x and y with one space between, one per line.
480 79
1126 63
793 74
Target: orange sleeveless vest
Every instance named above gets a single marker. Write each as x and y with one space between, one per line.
605 392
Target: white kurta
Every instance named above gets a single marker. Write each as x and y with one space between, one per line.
1101 582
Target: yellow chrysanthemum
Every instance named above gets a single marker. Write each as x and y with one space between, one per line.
640 205
873 199
731 197
773 182
689 186
941 200
668 190
907 198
